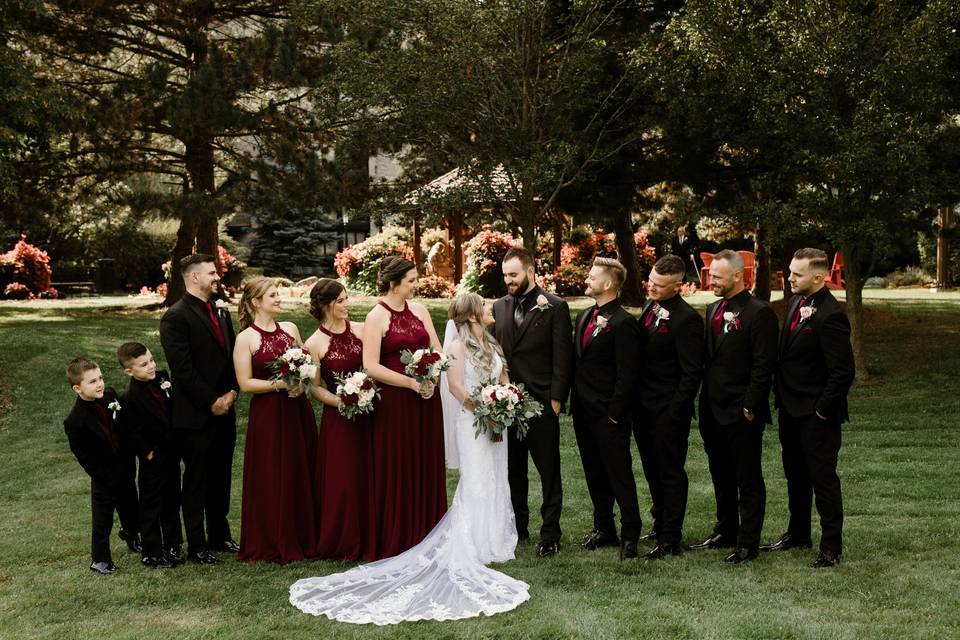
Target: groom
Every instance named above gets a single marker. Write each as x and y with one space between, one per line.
197 338
533 328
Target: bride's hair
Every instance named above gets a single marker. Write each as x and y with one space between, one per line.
253 289
464 308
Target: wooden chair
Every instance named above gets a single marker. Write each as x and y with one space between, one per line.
749 268
834 279
706 259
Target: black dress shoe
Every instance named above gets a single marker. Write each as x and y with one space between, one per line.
741 555
786 541
173 555
650 536
826 559
105 568
156 562
203 557
662 551
132 540
628 550
715 541
596 539
227 546
547 549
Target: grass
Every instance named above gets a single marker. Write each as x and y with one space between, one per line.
899 577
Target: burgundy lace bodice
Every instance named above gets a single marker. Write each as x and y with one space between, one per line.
344 355
406 332
272 345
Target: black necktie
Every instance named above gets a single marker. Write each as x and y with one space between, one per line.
518 312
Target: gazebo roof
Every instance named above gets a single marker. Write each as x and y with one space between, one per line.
454 180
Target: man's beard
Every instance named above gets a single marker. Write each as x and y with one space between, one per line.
521 286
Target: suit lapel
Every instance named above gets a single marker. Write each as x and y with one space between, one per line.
581 325
731 308
787 336
612 311
205 320
527 321
711 310
145 398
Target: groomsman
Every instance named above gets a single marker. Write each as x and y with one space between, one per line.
813 376
605 377
671 364
197 337
741 353
533 328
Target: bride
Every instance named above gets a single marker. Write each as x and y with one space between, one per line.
444 577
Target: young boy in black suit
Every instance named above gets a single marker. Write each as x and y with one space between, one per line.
146 423
91 429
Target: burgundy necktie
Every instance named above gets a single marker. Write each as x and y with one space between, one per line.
651 314
588 331
795 319
216 325
105 422
717 321
158 396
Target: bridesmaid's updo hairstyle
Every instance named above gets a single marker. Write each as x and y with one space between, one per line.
324 293
391 272
253 289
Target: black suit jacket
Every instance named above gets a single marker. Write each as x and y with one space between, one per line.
539 352
202 370
739 367
816 368
671 360
605 373
88 444
145 424
682 250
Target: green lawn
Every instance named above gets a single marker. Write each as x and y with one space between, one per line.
899 577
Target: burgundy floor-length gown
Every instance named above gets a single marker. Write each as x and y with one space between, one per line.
278 522
409 473
344 466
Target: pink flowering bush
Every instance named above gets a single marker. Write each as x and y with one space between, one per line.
484 254
357 264
435 287
25 272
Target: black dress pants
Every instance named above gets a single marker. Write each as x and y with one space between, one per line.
542 443
114 493
159 484
662 443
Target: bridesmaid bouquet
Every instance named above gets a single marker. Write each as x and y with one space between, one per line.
356 391
295 367
424 365
499 406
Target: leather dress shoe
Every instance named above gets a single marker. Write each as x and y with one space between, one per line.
547 549
596 539
628 550
650 536
227 546
825 559
662 551
174 555
741 555
132 540
105 568
786 541
156 562
203 557
715 541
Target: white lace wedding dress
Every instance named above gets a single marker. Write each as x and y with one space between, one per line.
444 577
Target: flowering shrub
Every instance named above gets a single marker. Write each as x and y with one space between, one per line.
25 265
646 253
357 264
231 269
49 294
434 287
688 288
568 280
17 291
484 255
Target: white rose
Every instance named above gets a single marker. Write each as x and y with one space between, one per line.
165 385
728 316
307 371
350 388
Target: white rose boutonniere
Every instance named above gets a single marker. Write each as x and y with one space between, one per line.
165 386
221 305
807 312
542 303
731 321
114 406
661 314
601 325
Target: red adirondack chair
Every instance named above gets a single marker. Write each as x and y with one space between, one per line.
706 259
834 279
749 268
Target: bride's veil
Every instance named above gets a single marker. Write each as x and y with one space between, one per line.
451 407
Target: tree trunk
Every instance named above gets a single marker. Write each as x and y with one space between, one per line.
761 287
417 258
456 230
853 285
181 249
632 293
528 227
945 224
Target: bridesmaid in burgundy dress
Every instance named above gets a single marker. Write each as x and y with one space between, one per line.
278 522
344 482
408 470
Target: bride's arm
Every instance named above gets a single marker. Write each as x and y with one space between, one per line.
455 376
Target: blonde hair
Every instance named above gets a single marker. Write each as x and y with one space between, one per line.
253 289
464 308
614 270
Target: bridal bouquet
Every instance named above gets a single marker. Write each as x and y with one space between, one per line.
424 365
295 367
499 406
356 391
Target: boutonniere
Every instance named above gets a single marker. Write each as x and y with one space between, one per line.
114 406
807 312
601 325
165 386
542 303
731 321
661 314
221 305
